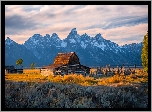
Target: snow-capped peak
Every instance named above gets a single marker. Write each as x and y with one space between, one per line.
84 35
37 35
55 36
47 35
8 41
35 38
73 30
99 37
73 37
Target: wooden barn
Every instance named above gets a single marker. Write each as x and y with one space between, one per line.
66 63
12 69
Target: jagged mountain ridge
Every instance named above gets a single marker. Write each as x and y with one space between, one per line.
15 51
92 51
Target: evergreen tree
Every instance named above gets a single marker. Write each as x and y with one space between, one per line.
32 66
144 54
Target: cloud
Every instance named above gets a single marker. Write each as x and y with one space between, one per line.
126 21
18 22
114 22
125 33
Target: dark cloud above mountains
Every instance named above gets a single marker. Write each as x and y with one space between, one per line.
18 22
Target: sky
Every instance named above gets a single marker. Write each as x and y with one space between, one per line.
122 24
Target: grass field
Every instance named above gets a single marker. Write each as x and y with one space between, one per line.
32 90
35 76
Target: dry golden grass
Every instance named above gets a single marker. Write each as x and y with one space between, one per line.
25 77
31 71
35 76
124 80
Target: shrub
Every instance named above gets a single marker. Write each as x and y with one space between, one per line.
54 95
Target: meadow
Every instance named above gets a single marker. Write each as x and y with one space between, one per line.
32 90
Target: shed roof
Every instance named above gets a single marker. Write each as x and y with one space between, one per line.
13 67
9 67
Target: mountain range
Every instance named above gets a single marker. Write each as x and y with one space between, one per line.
92 51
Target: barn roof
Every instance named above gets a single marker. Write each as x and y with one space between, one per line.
61 59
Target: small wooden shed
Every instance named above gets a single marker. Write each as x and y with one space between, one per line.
9 69
12 69
66 63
